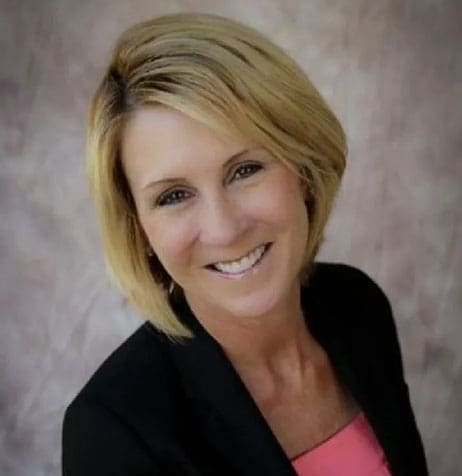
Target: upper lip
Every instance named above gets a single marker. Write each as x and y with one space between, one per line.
242 256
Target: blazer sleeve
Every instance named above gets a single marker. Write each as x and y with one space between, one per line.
95 442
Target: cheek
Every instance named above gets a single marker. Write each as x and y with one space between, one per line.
171 240
281 203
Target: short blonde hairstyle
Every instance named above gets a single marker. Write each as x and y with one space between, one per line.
232 79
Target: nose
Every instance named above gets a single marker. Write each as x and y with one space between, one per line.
221 222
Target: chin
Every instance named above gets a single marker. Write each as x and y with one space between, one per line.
253 305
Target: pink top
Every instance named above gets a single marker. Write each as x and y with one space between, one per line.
352 451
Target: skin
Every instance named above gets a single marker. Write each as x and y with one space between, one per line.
221 211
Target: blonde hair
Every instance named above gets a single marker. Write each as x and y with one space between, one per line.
231 78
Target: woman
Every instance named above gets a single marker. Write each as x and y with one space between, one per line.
214 163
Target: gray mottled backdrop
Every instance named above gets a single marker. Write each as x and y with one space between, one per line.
392 72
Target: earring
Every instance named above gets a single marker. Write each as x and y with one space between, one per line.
149 251
171 287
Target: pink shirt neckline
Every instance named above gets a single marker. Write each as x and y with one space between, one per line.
352 451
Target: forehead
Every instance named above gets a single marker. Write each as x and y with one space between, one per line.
165 136
159 143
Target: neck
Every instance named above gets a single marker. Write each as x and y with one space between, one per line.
272 351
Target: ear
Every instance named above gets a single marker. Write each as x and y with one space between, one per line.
305 189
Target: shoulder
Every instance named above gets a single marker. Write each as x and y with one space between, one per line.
127 410
351 289
140 355
111 415
347 287
136 382
358 309
345 280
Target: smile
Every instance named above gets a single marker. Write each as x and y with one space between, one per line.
242 265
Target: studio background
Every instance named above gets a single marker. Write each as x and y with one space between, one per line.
390 69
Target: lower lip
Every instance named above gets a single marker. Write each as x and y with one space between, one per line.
255 268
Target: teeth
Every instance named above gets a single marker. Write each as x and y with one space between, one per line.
243 264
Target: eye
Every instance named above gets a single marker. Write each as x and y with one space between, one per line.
172 197
246 170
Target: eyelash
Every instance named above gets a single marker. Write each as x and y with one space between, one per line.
170 197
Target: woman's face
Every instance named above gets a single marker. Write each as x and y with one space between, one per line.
226 219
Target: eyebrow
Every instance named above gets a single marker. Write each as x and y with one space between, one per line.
179 179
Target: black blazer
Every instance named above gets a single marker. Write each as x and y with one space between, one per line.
156 407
